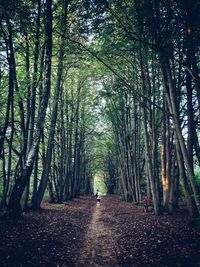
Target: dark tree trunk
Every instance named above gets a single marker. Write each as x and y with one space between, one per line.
47 166
14 207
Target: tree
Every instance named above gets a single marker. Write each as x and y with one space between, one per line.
21 181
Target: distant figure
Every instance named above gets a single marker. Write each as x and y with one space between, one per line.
98 197
97 193
146 203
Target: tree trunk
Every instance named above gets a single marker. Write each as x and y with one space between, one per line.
191 204
150 167
172 102
45 173
165 157
21 182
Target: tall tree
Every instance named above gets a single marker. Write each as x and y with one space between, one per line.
21 181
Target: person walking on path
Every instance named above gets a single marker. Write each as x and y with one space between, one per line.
97 193
98 197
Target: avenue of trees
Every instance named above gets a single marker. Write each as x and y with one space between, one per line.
109 86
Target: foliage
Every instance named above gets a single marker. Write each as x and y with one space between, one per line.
124 71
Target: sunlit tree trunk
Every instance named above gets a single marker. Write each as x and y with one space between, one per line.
165 157
172 102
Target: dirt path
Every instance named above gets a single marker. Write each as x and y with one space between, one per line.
118 234
122 235
100 246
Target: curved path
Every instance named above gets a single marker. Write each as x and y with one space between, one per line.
100 247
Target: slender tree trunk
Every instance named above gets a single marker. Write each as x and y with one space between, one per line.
149 161
18 188
45 174
150 167
182 153
191 205
165 158
7 170
50 187
35 78
35 179
25 196
171 98
10 95
5 182
174 190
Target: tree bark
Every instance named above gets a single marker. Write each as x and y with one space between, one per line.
45 173
14 207
172 102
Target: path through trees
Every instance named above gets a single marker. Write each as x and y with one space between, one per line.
100 246
108 87
105 89
81 235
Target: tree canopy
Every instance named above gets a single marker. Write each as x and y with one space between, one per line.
99 87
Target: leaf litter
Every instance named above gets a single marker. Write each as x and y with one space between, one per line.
116 234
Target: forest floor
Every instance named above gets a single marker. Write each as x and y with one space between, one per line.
80 234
